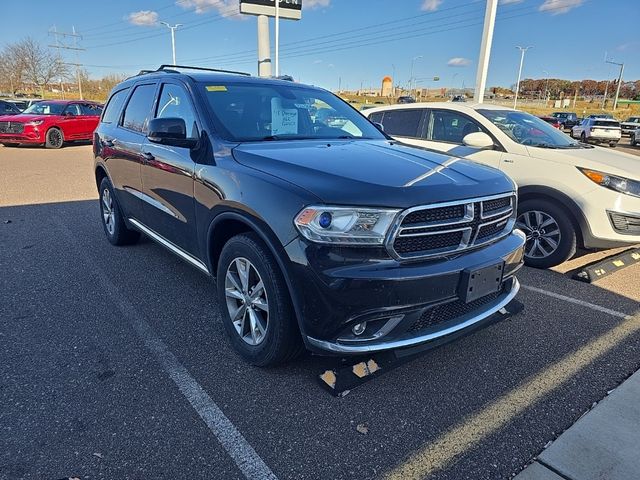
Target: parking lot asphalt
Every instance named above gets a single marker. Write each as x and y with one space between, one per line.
113 364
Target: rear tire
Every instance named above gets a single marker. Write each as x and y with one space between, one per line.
112 219
54 138
551 235
613 144
583 137
251 287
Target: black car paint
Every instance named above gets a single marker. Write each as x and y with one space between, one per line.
189 197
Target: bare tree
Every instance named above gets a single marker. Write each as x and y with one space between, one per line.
12 68
41 67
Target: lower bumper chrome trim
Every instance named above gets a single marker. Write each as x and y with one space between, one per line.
410 342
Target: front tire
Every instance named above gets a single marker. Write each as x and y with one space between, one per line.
112 219
583 137
551 235
54 138
613 144
257 313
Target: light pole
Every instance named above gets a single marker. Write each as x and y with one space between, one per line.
485 50
411 80
546 86
173 37
522 52
621 65
277 22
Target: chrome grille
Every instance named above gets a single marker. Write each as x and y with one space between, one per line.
11 127
441 229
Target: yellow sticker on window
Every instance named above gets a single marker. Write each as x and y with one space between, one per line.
216 88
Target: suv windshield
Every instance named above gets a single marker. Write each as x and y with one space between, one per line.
244 112
528 130
45 108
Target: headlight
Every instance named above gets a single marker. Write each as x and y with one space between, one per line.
345 225
34 123
612 182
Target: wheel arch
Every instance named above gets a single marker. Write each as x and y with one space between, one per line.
230 223
562 200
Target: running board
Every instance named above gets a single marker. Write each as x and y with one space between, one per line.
170 246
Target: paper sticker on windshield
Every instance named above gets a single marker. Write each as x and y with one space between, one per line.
284 121
216 88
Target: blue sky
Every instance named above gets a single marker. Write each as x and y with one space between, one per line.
357 41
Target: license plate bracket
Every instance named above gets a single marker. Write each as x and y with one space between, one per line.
480 281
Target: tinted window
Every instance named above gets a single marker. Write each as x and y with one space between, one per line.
450 127
8 108
73 109
114 107
174 103
376 117
91 109
403 123
605 123
138 110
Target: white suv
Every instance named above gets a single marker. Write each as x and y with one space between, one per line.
598 130
570 193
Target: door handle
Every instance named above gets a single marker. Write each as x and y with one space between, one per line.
507 160
148 157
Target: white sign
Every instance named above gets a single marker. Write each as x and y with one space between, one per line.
291 9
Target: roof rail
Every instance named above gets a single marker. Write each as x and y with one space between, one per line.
167 68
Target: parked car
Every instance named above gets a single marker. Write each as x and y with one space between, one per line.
567 119
598 130
570 194
601 115
51 123
24 103
629 125
459 98
553 121
8 108
335 238
406 99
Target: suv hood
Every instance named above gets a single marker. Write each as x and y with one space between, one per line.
372 172
598 158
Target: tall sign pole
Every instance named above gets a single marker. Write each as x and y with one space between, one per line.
277 38
485 50
289 9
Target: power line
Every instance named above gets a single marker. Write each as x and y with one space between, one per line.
63 45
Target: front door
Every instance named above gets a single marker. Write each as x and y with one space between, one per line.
168 175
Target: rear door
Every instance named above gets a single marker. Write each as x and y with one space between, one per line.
91 115
168 173
124 143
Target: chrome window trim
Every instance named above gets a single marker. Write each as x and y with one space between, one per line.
469 243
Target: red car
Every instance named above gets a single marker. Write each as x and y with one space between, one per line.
553 121
51 123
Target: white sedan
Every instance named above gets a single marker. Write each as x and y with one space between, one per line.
570 193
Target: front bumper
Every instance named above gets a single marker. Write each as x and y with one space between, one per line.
30 134
403 304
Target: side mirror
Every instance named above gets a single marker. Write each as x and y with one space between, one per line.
379 126
478 140
170 131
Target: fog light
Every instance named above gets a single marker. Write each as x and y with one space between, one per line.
359 328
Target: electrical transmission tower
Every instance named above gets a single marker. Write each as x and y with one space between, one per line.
69 41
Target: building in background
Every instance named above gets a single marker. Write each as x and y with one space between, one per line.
387 87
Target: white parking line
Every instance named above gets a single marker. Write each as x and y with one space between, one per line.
592 306
242 453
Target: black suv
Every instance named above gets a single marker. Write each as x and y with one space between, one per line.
328 235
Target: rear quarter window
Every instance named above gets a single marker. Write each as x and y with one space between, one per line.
114 106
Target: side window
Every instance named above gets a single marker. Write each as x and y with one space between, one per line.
91 109
138 110
73 109
174 103
403 123
450 127
376 117
114 107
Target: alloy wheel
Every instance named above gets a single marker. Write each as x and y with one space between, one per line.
108 214
55 138
247 301
542 231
